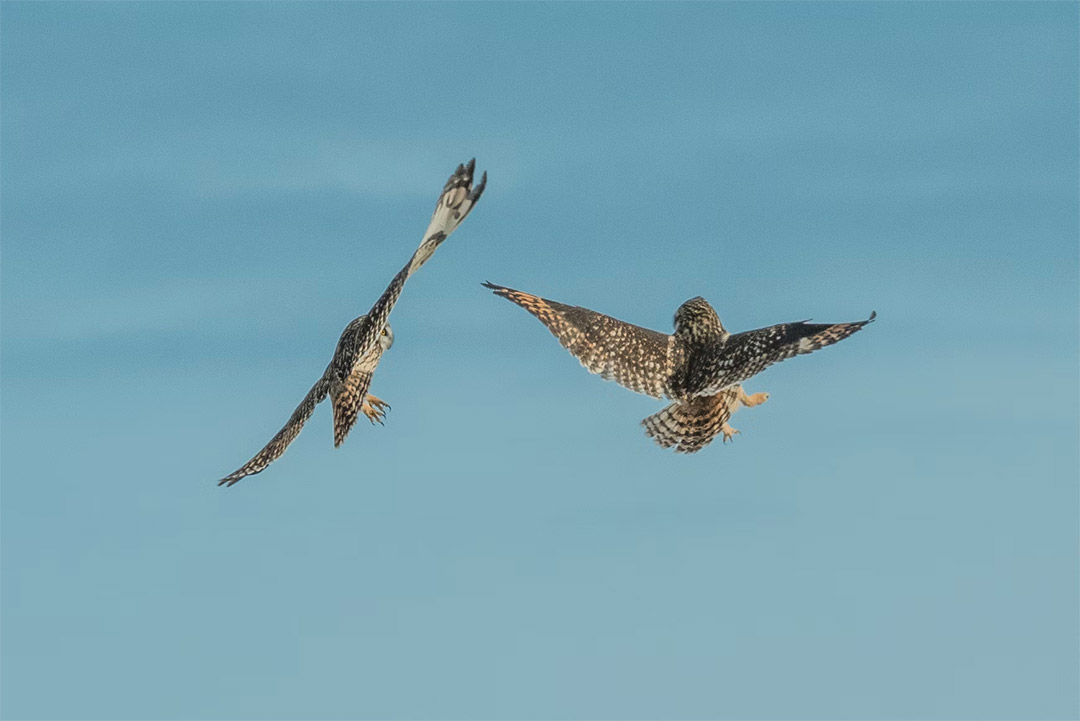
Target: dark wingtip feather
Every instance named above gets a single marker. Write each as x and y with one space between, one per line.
492 286
478 190
873 315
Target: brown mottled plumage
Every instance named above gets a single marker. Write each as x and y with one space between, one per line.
700 366
690 426
348 376
634 357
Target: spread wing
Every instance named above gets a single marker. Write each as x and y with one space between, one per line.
456 201
277 445
636 358
749 353
454 205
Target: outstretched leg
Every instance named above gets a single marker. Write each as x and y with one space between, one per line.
374 408
750 401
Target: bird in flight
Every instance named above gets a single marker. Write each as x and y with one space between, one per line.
348 376
700 367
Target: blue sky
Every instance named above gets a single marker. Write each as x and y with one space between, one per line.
198 197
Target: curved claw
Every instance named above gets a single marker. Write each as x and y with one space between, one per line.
377 402
373 414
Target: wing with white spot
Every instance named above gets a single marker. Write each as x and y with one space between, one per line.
634 357
747 354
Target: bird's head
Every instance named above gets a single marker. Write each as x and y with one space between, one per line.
696 322
386 338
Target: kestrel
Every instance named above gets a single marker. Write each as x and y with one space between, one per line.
700 367
348 376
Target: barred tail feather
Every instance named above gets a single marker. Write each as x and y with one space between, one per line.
690 426
347 398
345 412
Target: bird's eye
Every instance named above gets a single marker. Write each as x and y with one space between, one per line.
384 331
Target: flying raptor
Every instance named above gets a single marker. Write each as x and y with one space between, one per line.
348 377
700 367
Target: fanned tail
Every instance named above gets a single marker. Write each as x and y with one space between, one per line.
690 426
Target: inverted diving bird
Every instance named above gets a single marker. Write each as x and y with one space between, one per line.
348 376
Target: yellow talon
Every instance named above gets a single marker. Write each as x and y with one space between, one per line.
755 400
373 408
376 401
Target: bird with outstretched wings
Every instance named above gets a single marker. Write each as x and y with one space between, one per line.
701 366
347 379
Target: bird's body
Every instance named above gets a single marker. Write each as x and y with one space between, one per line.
700 366
347 378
